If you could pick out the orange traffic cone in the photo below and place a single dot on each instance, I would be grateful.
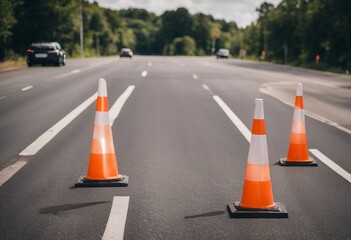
(257, 196)
(102, 170)
(298, 150)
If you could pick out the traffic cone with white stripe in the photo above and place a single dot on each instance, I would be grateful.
(257, 196)
(298, 150)
(102, 170)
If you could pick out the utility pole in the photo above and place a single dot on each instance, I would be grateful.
(213, 45)
(285, 46)
(81, 29)
(97, 45)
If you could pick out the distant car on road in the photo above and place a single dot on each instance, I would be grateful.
(46, 53)
(222, 53)
(126, 52)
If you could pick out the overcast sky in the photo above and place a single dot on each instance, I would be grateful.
(241, 11)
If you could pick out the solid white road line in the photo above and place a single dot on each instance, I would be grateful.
(247, 134)
(2, 97)
(117, 106)
(234, 118)
(266, 89)
(117, 219)
(41, 141)
(27, 88)
(8, 172)
(144, 74)
(68, 74)
(194, 76)
(330, 163)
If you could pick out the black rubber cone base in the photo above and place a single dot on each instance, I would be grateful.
(311, 163)
(278, 211)
(122, 182)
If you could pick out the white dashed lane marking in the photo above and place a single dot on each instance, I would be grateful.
(27, 88)
(117, 219)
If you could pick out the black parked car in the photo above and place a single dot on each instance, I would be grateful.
(46, 53)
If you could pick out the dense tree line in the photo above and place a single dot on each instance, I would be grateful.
(293, 32)
(296, 31)
(106, 31)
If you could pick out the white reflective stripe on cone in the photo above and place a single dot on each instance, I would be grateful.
(102, 131)
(299, 115)
(258, 153)
(298, 127)
(257, 172)
(102, 118)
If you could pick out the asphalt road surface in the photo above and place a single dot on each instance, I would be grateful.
(184, 156)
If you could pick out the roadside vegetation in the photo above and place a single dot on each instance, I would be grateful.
(295, 32)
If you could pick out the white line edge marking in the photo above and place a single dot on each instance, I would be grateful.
(247, 134)
(2, 97)
(331, 164)
(144, 74)
(117, 106)
(234, 118)
(117, 219)
(195, 76)
(265, 89)
(27, 88)
(41, 141)
(11, 170)
(68, 74)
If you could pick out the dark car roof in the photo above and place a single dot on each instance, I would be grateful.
(45, 44)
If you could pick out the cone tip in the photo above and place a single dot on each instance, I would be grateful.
(299, 91)
(259, 113)
(102, 91)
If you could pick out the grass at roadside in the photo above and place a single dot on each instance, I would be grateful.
(20, 62)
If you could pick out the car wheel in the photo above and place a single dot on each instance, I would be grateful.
(64, 60)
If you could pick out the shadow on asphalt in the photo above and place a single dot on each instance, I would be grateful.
(56, 210)
(208, 214)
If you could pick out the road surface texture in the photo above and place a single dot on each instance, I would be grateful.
(184, 156)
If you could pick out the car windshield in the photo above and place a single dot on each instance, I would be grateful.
(42, 46)
(223, 50)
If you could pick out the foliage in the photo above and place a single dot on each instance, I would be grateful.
(293, 32)
(297, 30)
(183, 46)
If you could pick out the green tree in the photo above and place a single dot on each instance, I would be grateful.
(7, 21)
(174, 24)
(183, 46)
